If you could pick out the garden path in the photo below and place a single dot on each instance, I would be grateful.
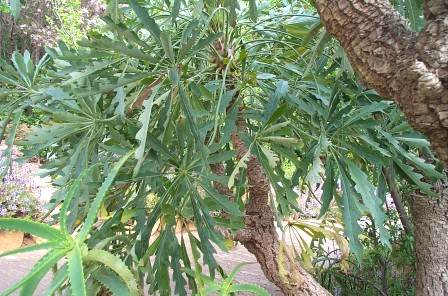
(12, 268)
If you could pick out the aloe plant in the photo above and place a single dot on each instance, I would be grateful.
(61, 244)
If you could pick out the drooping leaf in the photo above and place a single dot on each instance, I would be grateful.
(351, 214)
(144, 120)
(328, 187)
(370, 200)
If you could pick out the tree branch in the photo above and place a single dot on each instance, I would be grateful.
(393, 60)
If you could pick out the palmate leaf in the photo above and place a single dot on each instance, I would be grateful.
(370, 200)
(144, 120)
(167, 46)
(328, 187)
(76, 272)
(95, 206)
(351, 214)
(253, 13)
(114, 263)
(149, 23)
(428, 169)
(110, 45)
(228, 206)
(242, 163)
(70, 194)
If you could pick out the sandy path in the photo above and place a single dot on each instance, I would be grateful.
(12, 268)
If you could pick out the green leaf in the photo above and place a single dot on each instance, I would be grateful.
(280, 91)
(188, 111)
(229, 206)
(414, 177)
(42, 266)
(289, 142)
(204, 42)
(350, 214)
(328, 187)
(70, 194)
(251, 288)
(253, 10)
(34, 228)
(30, 286)
(167, 46)
(270, 156)
(15, 6)
(427, 168)
(366, 111)
(144, 120)
(115, 264)
(242, 163)
(58, 279)
(95, 206)
(149, 23)
(370, 200)
(76, 272)
(229, 279)
(32, 248)
(111, 281)
(19, 63)
(5, 157)
(175, 10)
(414, 14)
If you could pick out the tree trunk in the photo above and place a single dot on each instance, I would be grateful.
(399, 64)
(431, 243)
(260, 235)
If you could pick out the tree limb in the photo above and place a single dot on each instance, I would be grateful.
(411, 69)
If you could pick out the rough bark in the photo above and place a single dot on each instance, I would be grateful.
(260, 236)
(411, 69)
(431, 241)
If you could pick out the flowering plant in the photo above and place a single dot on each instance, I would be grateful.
(17, 198)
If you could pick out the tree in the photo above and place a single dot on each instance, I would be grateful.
(412, 69)
(193, 108)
